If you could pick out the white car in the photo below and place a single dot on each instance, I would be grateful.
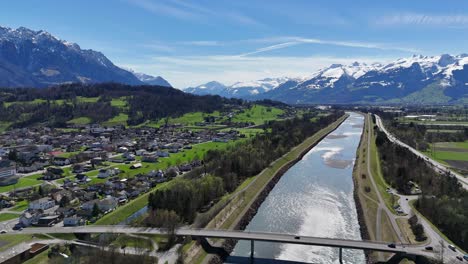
(452, 247)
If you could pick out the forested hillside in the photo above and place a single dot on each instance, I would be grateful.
(57, 105)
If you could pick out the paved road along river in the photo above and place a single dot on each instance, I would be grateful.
(313, 198)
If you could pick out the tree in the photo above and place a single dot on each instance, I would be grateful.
(13, 155)
(96, 210)
(64, 201)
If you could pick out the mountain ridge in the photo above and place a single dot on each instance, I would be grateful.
(417, 78)
(30, 58)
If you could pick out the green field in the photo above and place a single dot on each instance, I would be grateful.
(120, 119)
(258, 114)
(80, 121)
(20, 206)
(22, 182)
(8, 216)
(120, 102)
(443, 151)
(189, 119)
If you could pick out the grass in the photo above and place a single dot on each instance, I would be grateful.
(406, 230)
(120, 102)
(8, 216)
(12, 240)
(20, 206)
(42, 258)
(390, 201)
(120, 119)
(124, 211)
(135, 242)
(189, 119)
(80, 121)
(258, 114)
(22, 183)
(448, 155)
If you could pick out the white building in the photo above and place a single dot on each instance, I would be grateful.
(7, 173)
(43, 203)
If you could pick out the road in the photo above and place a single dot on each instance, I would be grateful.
(238, 235)
(435, 164)
(382, 206)
(434, 238)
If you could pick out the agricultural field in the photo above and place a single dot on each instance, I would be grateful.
(454, 154)
(258, 114)
(120, 119)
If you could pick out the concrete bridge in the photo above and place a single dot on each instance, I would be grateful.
(203, 234)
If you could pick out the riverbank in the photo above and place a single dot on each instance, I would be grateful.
(245, 208)
(374, 221)
(360, 161)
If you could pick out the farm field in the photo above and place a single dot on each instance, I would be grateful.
(258, 114)
(454, 154)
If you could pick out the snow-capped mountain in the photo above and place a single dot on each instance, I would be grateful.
(239, 89)
(417, 79)
(151, 80)
(214, 88)
(38, 59)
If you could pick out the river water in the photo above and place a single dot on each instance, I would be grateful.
(313, 198)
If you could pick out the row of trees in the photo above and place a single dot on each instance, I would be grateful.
(399, 166)
(234, 164)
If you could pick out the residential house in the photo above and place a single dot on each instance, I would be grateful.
(61, 161)
(73, 221)
(42, 204)
(7, 172)
(29, 217)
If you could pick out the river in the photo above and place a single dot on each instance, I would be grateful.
(313, 198)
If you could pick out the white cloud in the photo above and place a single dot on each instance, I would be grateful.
(190, 11)
(194, 70)
(292, 41)
(424, 19)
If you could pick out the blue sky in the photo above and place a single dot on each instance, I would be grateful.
(191, 42)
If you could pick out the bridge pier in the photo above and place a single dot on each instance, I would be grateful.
(341, 255)
(252, 250)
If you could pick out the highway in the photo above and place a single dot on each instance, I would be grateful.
(238, 235)
(435, 164)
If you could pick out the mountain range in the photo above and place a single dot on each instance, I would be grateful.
(414, 80)
(31, 58)
(239, 89)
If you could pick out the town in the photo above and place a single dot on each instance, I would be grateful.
(88, 172)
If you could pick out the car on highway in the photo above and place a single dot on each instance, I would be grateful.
(429, 248)
(392, 245)
(297, 237)
(3, 231)
(459, 258)
(452, 247)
